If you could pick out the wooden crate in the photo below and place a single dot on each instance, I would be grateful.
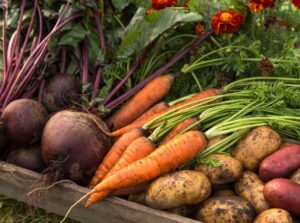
(16, 181)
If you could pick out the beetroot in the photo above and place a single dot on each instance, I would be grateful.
(27, 157)
(24, 120)
(73, 145)
(60, 91)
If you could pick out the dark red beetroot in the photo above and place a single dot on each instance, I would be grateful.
(281, 163)
(74, 144)
(283, 193)
(24, 120)
(27, 157)
(60, 91)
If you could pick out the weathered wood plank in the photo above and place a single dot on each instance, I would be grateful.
(15, 183)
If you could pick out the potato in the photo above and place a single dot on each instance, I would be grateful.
(222, 193)
(215, 140)
(283, 193)
(186, 211)
(250, 187)
(255, 146)
(229, 171)
(296, 176)
(274, 215)
(176, 189)
(230, 209)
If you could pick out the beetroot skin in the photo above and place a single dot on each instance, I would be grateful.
(74, 143)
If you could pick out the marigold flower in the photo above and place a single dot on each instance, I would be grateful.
(161, 4)
(199, 28)
(227, 21)
(296, 3)
(259, 5)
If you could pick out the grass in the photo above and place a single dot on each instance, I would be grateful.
(12, 211)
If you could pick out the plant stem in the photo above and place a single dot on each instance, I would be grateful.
(161, 70)
(100, 30)
(96, 84)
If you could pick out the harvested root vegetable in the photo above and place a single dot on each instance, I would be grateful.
(114, 154)
(29, 157)
(283, 193)
(226, 209)
(60, 91)
(142, 101)
(222, 193)
(74, 144)
(186, 187)
(154, 109)
(250, 187)
(227, 170)
(162, 160)
(256, 146)
(24, 120)
(281, 163)
(274, 215)
(140, 122)
(296, 176)
(180, 127)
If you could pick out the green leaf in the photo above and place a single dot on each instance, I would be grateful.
(152, 26)
(121, 4)
(197, 6)
(73, 36)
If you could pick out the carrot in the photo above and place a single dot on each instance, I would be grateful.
(142, 101)
(180, 127)
(154, 109)
(138, 149)
(164, 159)
(131, 190)
(114, 154)
(139, 123)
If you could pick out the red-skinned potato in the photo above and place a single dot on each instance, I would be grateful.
(281, 163)
(283, 193)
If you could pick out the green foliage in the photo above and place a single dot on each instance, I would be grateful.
(144, 31)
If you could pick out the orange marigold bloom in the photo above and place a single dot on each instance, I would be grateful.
(199, 28)
(227, 21)
(161, 4)
(259, 5)
(296, 3)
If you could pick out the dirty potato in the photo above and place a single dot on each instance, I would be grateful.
(215, 140)
(274, 215)
(176, 189)
(228, 170)
(296, 176)
(230, 209)
(255, 146)
(250, 187)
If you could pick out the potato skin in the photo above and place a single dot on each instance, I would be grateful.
(274, 215)
(250, 187)
(230, 209)
(283, 193)
(255, 146)
(296, 176)
(229, 171)
(281, 163)
(176, 189)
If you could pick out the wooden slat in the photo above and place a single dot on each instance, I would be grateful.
(15, 183)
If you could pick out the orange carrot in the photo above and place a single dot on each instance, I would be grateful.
(142, 101)
(139, 123)
(154, 109)
(138, 149)
(114, 154)
(162, 160)
(180, 127)
(131, 190)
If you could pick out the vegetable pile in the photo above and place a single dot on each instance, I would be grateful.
(191, 107)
